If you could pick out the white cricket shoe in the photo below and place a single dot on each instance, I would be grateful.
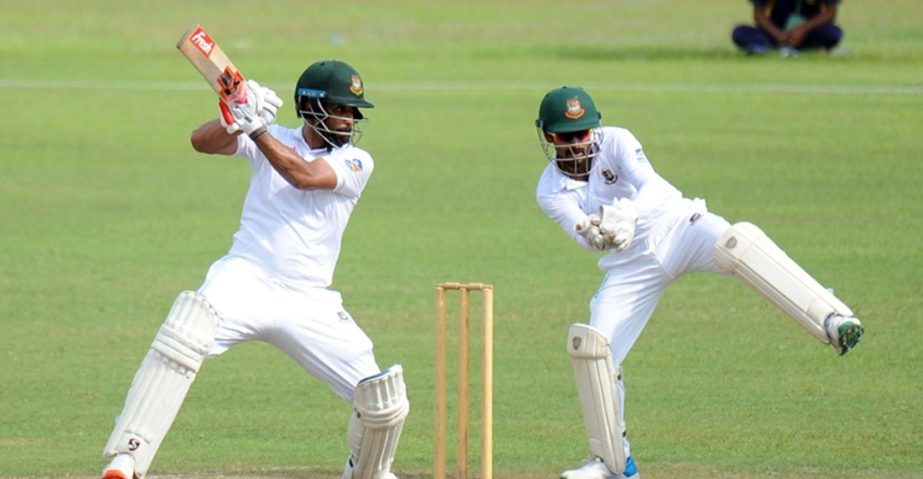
(844, 332)
(387, 475)
(348, 471)
(595, 468)
(122, 466)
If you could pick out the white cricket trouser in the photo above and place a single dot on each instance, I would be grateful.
(310, 326)
(626, 299)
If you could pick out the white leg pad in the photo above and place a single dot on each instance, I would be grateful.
(163, 379)
(375, 427)
(745, 251)
(596, 385)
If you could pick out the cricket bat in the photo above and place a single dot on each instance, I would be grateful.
(210, 60)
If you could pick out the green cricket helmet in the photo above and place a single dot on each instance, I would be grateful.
(325, 83)
(567, 109)
(568, 127)
(332, 81)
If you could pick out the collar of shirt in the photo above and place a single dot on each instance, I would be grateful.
(565, 182)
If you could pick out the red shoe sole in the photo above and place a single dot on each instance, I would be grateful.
(114, 474)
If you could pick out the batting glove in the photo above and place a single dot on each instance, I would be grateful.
(246, 119)
(269, 103)
(226, 118)
(259, 100)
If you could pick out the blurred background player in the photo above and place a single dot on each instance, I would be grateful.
(790, 26)
(273, 284)
(602, 190)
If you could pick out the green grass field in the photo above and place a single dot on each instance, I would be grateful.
(107, 213)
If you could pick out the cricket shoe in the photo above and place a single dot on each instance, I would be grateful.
(122, 466)
(348, 472)
(844, 332)
(595, 468)
(387, 475)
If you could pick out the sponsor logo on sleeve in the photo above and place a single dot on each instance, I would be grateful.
(639, 154)
(355, 165)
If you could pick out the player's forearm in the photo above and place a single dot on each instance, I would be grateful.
(212, 138)
(824, 17)
(764, 23)
(293, 168)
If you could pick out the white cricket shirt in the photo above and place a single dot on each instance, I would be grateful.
(295, 235)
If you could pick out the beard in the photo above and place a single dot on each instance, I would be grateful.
(575, 164)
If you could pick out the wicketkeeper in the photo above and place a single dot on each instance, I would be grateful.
(273, 284)
(601, 189)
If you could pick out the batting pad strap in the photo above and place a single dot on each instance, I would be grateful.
(163, 380)
(596, 378)
(375, 427)
(745, 251)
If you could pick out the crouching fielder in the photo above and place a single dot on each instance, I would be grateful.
(601, 189)
(272, 286)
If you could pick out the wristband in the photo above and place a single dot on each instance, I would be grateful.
(258, 133)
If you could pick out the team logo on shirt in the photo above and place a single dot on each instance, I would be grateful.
(355, 165)
(356, 87)
(639, 154)
(608, 176)
(344, 316)
(574, 108)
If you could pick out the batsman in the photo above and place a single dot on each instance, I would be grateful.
(601, 189)
(273, 284)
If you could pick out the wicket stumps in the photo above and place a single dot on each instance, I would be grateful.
(487, 381)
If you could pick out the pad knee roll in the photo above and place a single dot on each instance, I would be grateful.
(375, 427)
(163, 379)
(745, 251)
(596, 376)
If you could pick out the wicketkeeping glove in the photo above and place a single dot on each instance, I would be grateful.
(589, 229)
(617, 223)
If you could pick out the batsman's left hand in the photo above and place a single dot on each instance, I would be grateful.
(240, 116)
(259, 103)
(226, 118)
